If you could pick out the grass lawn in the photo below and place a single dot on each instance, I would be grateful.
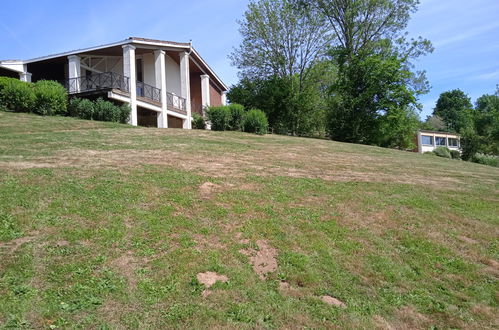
(108, 226)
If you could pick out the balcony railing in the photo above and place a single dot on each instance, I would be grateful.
(174, 101)
(112, 80)
(148, 91)
(97, 81)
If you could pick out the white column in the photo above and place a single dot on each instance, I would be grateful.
(74, 71)
(185, 87)
(129, 71)
(25, 76)
(224, 98)
(160, 73)
(205, 91)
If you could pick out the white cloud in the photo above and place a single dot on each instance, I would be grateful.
(466, 35)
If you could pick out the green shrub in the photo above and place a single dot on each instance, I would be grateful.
(255, 121)
(51, 98)
(219, 118)
(125, 111)
(16, 95)
(198, 121)
(99, 110)
(489, 160)
(442, 152)
(236, 116)
(81, 108)
(455, 154)
(429, 153)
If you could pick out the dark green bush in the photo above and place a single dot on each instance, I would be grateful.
(255, 121)
(99, 110)
(51, 98)
(442, 152)
(81, 108)
(125, 111)
(489, 160)
(455, 154)
(16, 95)
(219, 118)
(236, 116)
(198, 121)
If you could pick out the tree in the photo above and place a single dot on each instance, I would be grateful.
(369, 102)
(435, 123)
(278, 56)
(455, 108)
(279, 41)
(373, 57)
(486, 119)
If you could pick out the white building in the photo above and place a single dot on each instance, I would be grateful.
(430, 140)
(164, 82)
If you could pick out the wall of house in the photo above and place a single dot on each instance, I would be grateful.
(148, 69)
(196, 100)
(422, 148)
(172, 76)
(215, 96)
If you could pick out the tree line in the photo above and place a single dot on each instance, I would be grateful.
(332, 68)
(343, 69)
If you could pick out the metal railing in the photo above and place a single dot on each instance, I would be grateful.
(148, 91)
(174, 101)
(97, 81)
(112, 80)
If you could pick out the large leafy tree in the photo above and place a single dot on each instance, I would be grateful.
(278, 56)
(373, 57)
(371, 103)
(455, 108)
(279, 41)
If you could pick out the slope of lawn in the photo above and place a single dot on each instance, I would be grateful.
(108, 226)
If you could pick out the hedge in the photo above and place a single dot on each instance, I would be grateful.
(255, 121)
(51, 98)
(98, 110)
(219, 117)
(198, 121)
(16, 95)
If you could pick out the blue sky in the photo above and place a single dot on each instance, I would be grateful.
(465, 34)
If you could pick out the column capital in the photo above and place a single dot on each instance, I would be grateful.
(129, 46)
(205, 76)
(183, 54)
(159, 51)
(73, 57)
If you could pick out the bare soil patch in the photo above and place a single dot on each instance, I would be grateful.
(264, 261)
(207, 189)
(333, 301)
(126, 265)
(15, 244)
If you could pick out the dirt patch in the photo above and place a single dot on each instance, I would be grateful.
(208, 279)
(264, 261)
(207, 242)
(288, 290)
(333, 301)
(467, 239)
(15, 244)
(207, 189)
(241, 240)
(125, 265)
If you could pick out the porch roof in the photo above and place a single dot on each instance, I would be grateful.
(114, 47)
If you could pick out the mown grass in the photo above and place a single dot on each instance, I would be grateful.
(105, 226)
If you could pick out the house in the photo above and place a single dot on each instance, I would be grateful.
(164, 82)
(430, 140)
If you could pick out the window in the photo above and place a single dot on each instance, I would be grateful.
(427, 140)
(439, 141)
(453, 142)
